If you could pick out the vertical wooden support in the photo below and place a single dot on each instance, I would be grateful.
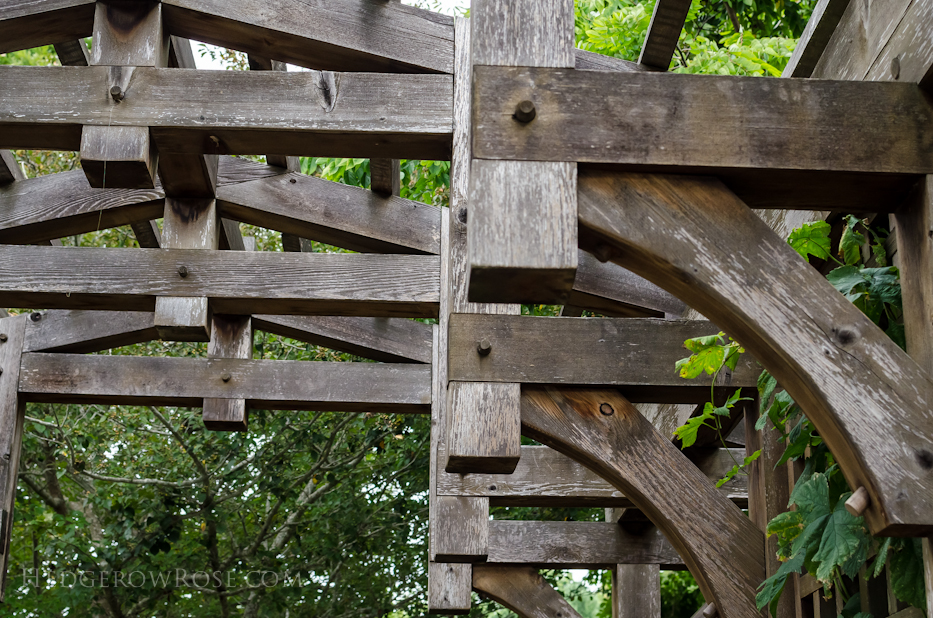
(913, 225)
(187, 224)
(386, 176)
(523, 214)
(12, 416)
(127, 34)
(231, 337)
(258, 63)
(636, 588)
(449, 588)
(484, 420)
(768, 494)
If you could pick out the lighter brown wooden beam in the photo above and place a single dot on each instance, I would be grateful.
(449, 587)
(12, 417)
(31, 23)
(231, 337)
(522, 590)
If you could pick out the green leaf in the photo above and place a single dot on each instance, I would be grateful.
(850, 246)
(849, 281)
(881, 557)
(769, 592)
(907, 573)
(812, 239)
(842, 537)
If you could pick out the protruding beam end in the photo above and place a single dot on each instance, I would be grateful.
(858, 502)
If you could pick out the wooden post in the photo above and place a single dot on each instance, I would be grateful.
(187, 224)
(484, 419)
(12, 417)
(231, 337)
(126, 35)
(636, 588)
(386, 176)
(523, 215)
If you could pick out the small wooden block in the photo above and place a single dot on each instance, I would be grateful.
(183, 319)
(118, 157)
(461, 529)
(449, 588)
(483, 427)
(231, 337)
(386, 175)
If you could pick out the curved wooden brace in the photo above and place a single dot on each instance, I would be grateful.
(522, 590)
(602, 430)
(870, 401)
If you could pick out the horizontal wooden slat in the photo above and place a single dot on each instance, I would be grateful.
(696, 121)
(237, 282)
(234, 112)
(334, 213)
(276, 385)
(339, 35)
(390, 340)
(87, 331)
(637, 355)
(576, 545)
(31, 23)
(547, 478)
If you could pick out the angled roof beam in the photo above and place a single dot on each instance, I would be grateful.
(73, 53)
(30, 23)
(667, 21)
(522, 590)
(812, 43)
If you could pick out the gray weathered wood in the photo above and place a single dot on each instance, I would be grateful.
(31, 23)
(274, 385)
(147, 233)
(231, 238)
(352, 114)
(340, 35)
(588, 61)
(449, 586)
(841, 368)
(547, 478)
(129, 34)
(722, 548)
(118, 157)
(389, 340)
(73, 53)
(9, 168)
(797, 124)
(613, 291)
(386, 176)
(237, 282)
(636, 591)
(231, 337)
(522, 590)
(483, 427)
(258, 63)
(87, 331)
(334, 213)
(636, 354)
(667, 21)
(812, 43)
(908, 54)
(12, 417)
(523, 236)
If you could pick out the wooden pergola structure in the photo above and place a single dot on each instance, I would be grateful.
(566, 167)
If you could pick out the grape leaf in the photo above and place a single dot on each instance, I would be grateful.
(812, 239)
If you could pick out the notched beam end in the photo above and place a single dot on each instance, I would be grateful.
(521, 285)
(119, 157)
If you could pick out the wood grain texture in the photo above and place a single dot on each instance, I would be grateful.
(311, 114)
(339, 35)
(129, 34)
(386, 176)
(73, 53)
(723, 549)
(667, 21)
(844, 371)
(815, 37)
(231, 337)
(30, 23)
(9, 168)
(388, 340)
(87, 331)
(237, 282)
(796, 124)
(148, 235)
(472, 409)
(522, 590)
(449, 587)
(546, 478)
(12, 417)
(274, 385)
(636, 354)
(636, 591)
(118, 157)
(908, 55)
(523, 33)
(334, 213)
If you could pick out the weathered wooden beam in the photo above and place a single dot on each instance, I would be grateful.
(273, 385)
(547, 478)
(73, 53)
(12, 417)
(237, 282)
(258, 63)
(667, 21)
(352, 114)
(636, 354)
(87, 331)
(723, 549)
(10, 170)
(449, 586)
(231, 337)
(798, 124)
(908, 56)
(483, 421)
(522, 590)
(827, 354)
(589, 61)
(385, 176)
(523, 234)
(340, 35)
(334, 213)
(389, 340)
(30, 23)
(815, 37)
(635, 589)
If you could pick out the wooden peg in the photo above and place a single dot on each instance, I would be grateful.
(858, 502)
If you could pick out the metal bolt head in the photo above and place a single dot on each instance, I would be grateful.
(896, 67)
(117, 93)
(484, 347)
(525, 112)
(35, 317)
(182, 271)
(226, 377)
(3, 337)
(606, 410)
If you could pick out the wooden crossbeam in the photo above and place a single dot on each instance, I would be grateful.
(547, 478)
(73, 53)
(637, 355)
(30, 23)
(87, 331)
(237, 282)
(667, 21)
(359, 114)
(842, 369)
(522, 590)
(797, 125)
(273, 385)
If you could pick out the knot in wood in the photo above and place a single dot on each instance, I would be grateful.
(35, 317)
(182, 271)
(896, 67)
(3, 337)
(462, 215)
(484, 347)
(525, 112)
(117, 93)
(606, 410)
